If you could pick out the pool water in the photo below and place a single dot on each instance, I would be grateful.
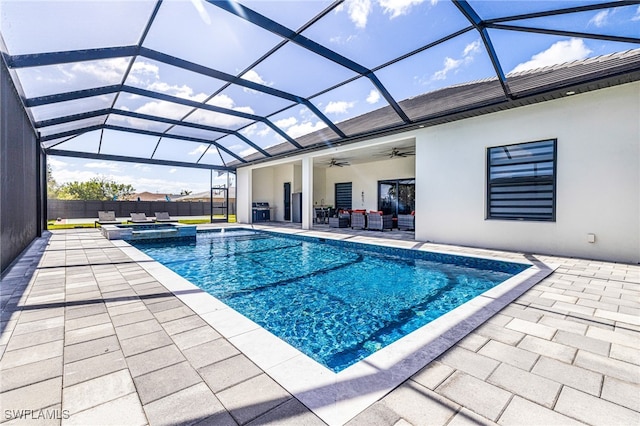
(337, 302)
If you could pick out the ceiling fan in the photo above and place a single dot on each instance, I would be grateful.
(338, 163)
(395, 152)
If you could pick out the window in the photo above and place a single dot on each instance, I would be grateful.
(343, 196)
(397, 196)
(521, 181)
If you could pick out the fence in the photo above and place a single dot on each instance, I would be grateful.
(80, 209)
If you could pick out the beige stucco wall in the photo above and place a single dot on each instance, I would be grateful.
(598, 177)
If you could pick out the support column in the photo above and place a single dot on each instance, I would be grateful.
(307, 192)
(244, 194)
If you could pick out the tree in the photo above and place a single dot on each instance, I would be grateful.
(185, 192)
(52, 185)
(98, 188)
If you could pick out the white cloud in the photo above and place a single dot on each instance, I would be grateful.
(559, 52)
(183, 91)
(102, 165)
(164, 109)
(55, 163)
(221, 120)
(450, 64)
(374, 96)
(264, 131)
(397, 8)
(142, 167)
(143, 71)
(225, 101)
(105, 70)
(246, 152)
(342, 39)
(253, 76)
(359, 11)
(338, 107)
(66, 175)
(471, 49)
(600, 19)
(286, 122)
(305, 128)
(636, 17)
(234, 147)
(200, 149)
(173, 170)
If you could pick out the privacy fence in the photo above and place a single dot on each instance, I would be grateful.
(78, 209)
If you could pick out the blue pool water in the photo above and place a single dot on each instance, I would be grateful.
(337, 302)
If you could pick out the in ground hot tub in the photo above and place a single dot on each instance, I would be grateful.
(148, 231)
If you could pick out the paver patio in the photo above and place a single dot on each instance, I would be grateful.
(90, 337)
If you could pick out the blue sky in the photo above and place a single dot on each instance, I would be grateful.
(370, 32)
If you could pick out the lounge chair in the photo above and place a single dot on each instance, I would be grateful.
(406, 221)
(106, 218)
(358, 219)
(139, 218)
(379, 222)
(164, 217)
(341, 221)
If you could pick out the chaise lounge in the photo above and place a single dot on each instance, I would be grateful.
(164, 217)
(106, 218)
(139, 218)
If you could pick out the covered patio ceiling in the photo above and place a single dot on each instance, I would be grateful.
(222, 84)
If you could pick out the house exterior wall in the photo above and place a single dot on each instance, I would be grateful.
(364, 179)
(598, 177)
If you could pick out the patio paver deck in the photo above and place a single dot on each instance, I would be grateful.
(88, 334)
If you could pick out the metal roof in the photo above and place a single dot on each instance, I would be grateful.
(221, 84)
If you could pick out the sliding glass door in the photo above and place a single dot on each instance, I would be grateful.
(397, 196)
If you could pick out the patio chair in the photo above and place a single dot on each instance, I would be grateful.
(164, 217)
(139, 218)
(320, 215)
(406, 221)
(341, 221)
(377, 221)
(358, 219)
(106, 218)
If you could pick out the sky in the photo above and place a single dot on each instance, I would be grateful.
(370, 32)
(143, 177)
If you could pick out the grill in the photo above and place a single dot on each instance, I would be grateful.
(261, 212)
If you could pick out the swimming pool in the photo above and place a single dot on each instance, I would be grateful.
(337, 302)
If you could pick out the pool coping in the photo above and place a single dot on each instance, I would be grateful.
(338, 397)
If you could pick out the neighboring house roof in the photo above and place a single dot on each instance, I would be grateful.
(150, 196)
(205, 195)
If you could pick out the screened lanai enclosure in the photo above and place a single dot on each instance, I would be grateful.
(223, 84)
